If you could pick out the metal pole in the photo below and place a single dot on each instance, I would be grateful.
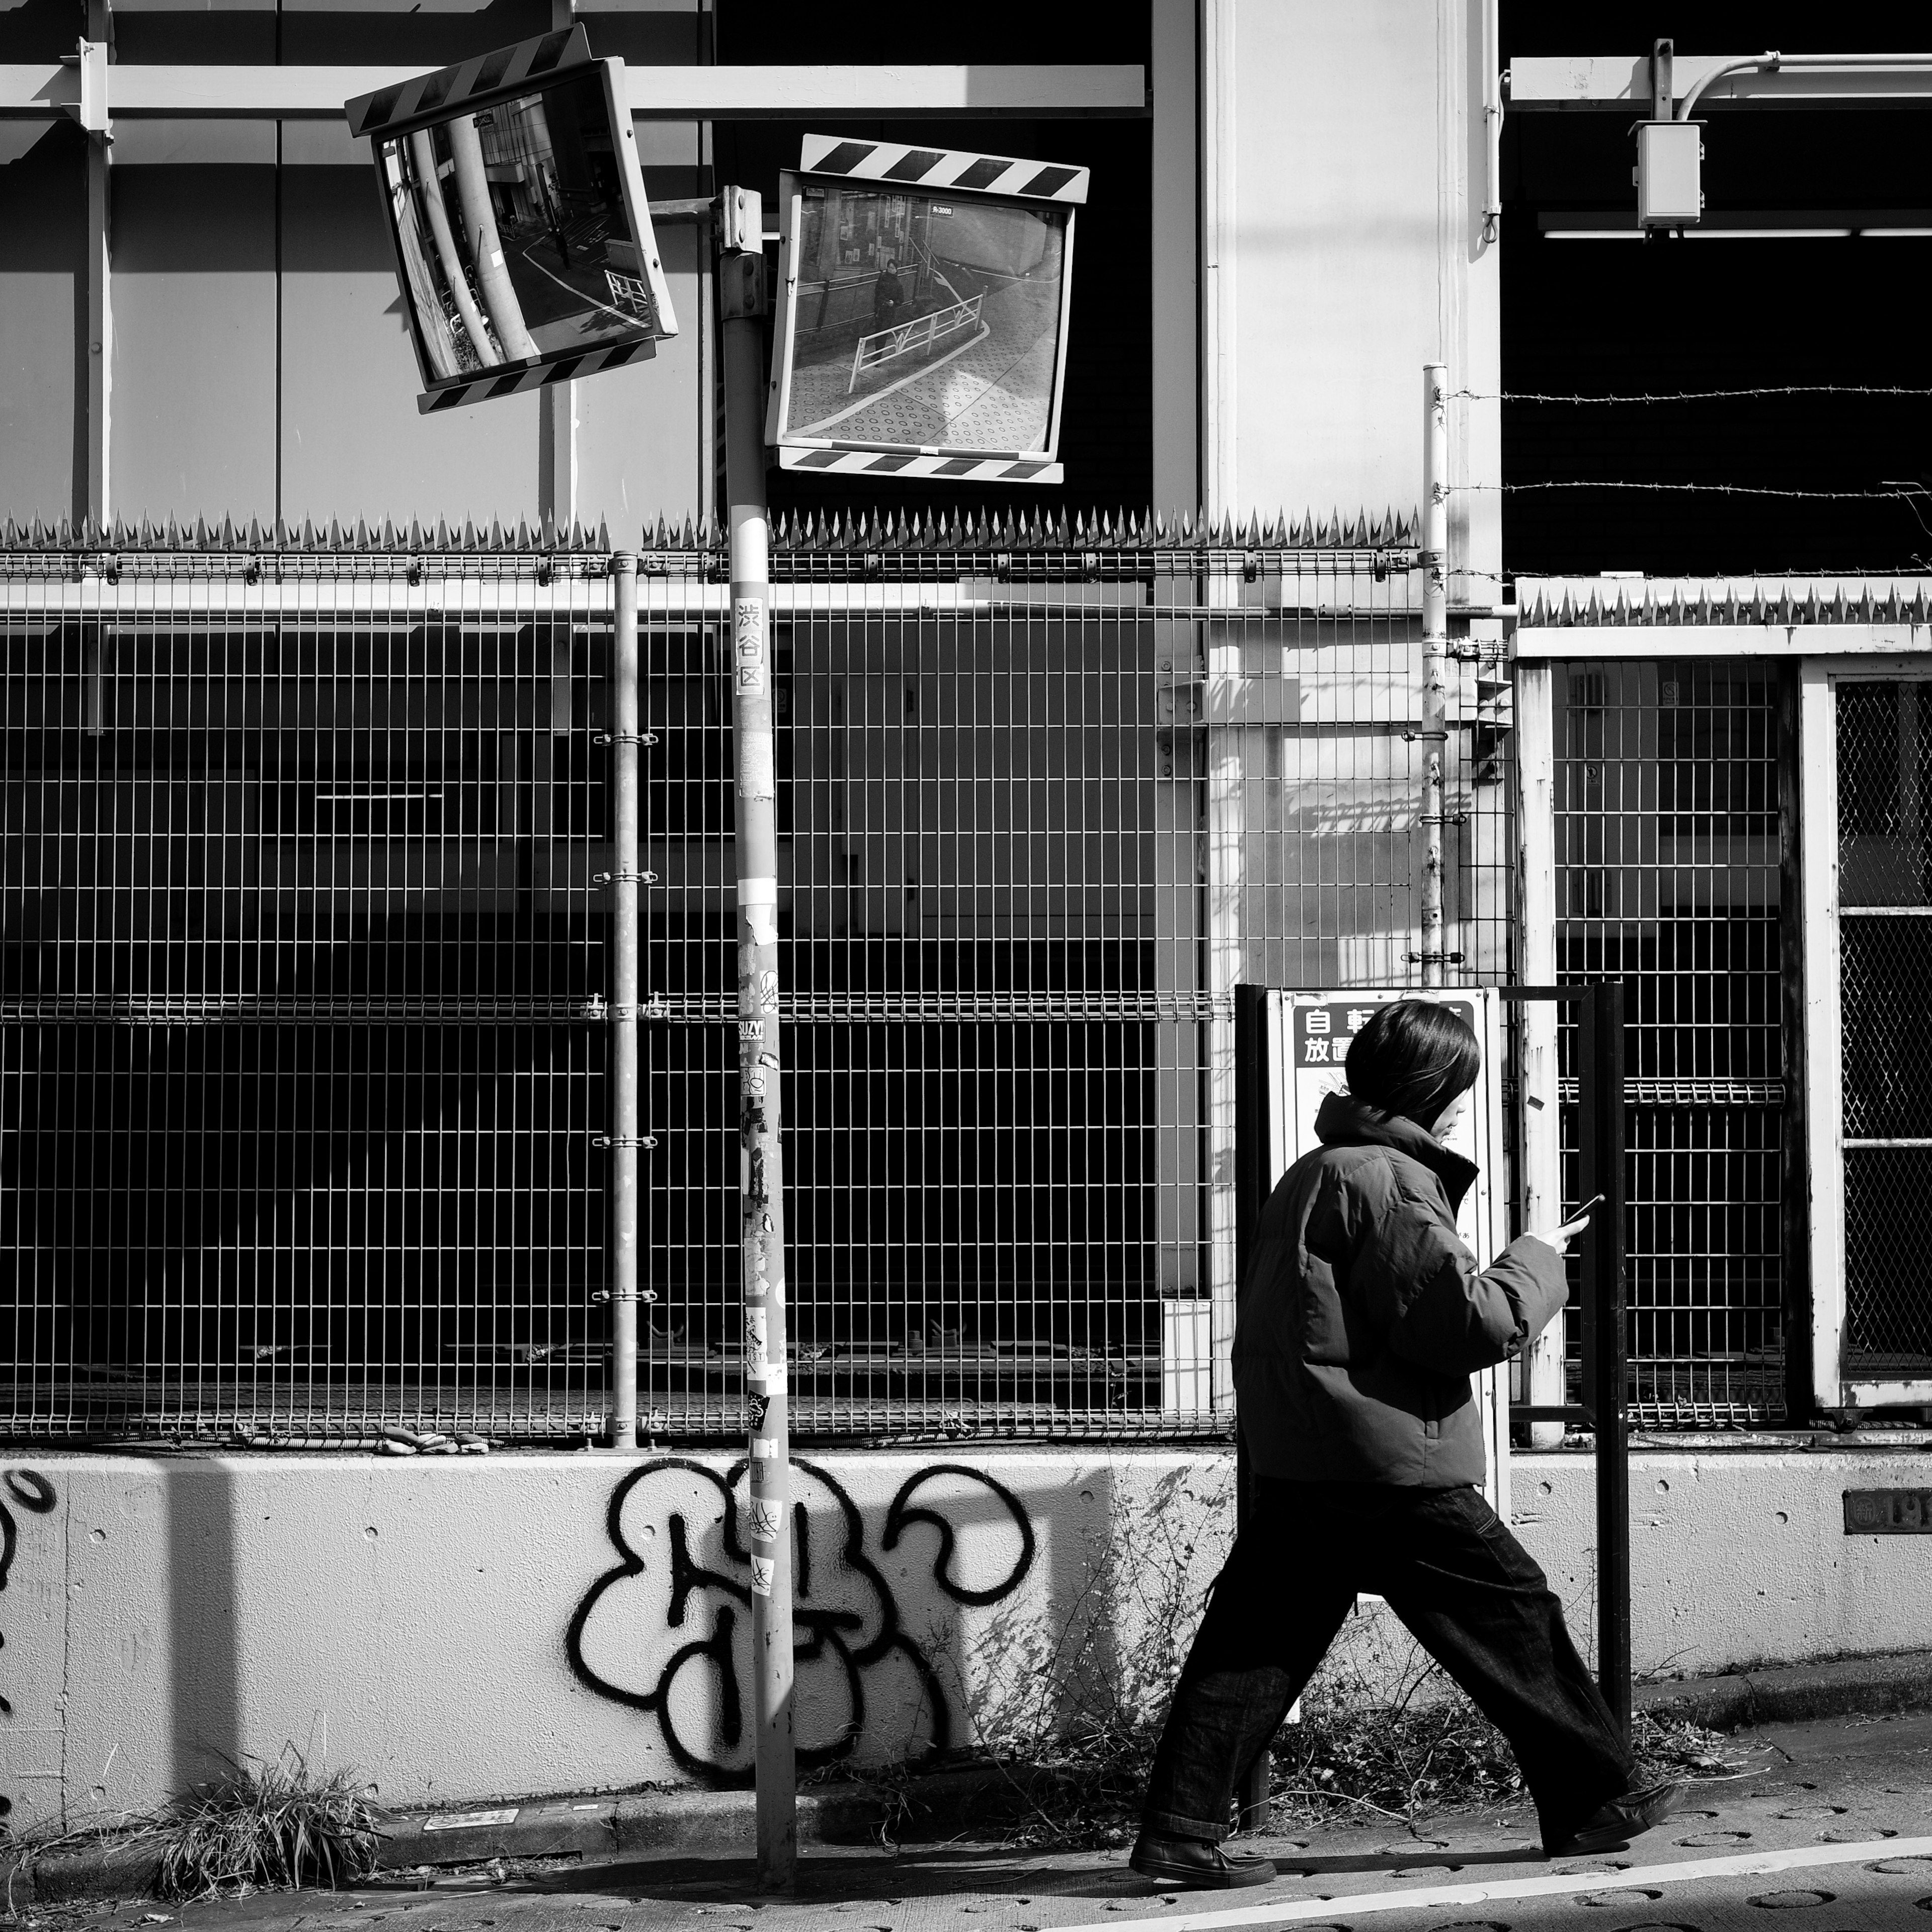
(1538, 1097)
(1255, 1074)
(626, 1139)
(742, 307)
(1434, 733)
(1601, 1038)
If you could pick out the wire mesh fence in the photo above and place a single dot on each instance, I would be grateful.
(1670, 877)
(301, 969)
(305, 936)
(1884, 921)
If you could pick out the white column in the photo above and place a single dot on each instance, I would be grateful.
(1824, 1075)
(1177, 257)
(1536, 1020)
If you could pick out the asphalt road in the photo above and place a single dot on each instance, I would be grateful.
(1856, 1792)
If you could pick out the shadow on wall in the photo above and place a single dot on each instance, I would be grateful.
(204, 1693)
(961, 1614)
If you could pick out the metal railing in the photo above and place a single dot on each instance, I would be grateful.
(909, 338)
(306, 949)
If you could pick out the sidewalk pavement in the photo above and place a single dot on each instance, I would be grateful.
(1835, 1815)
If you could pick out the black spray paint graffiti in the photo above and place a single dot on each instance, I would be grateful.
(34, 1494)
(684, 1584)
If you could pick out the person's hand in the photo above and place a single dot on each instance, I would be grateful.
(1560, 1238)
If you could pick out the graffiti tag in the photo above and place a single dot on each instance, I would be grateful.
(684, 1580)
(33, 1493)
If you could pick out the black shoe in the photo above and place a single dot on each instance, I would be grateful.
(1611, 1828)
(1192, 1864)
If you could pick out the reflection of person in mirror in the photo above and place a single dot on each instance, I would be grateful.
(1359, 1321)
(888, 297)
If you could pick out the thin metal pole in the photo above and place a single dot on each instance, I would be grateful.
(1434, 733)
(741, 305)
(625, 1135)
(1255, 1075)
(1538, 1100)
(1601, 1038)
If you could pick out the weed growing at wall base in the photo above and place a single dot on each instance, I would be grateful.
(270, 1824)
(1065, 1709)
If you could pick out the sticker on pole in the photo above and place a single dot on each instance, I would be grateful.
(923, 298)
(748, 645)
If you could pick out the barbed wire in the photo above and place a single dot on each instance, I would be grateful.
(1692, 395)
(1907, 493)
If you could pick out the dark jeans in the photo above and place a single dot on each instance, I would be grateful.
(1451, 1569)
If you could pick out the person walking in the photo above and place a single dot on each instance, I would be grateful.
(888, 295)
(1357, 1328)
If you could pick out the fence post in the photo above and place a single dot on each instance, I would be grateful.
(742, 305)
(1539, 1088)
(1600, 1064)
(626, 1137)
(1434, 733)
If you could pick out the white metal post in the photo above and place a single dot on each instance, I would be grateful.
(626, 1138)
(1435, 654)
(1536, 1019)
(1824, 1074)
(742, 305)
(96, 54)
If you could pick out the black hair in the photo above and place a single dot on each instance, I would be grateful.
(1412, 1058)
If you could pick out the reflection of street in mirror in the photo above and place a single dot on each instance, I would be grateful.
(924, 322)
(513, 234)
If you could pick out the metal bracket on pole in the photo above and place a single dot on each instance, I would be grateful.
(741, 308)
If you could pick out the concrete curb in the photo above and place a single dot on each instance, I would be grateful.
(689, 1823)
(685, 1822)
(1792, 1694)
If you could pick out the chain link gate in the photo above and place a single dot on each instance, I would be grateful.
(1884, 754)
(304, 942)
(1670, 877)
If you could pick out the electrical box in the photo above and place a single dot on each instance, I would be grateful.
(1669, 173)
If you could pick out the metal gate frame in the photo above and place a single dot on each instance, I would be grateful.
(1836, 1389)
(1823, 630)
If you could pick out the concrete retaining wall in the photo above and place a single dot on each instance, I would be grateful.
(457, 1628)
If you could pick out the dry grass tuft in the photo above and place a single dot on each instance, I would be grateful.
(271, 1824)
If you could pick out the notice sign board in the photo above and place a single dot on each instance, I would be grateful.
(1889, 1512)
(1307, 1049)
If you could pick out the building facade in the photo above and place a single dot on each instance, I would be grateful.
(308, 713)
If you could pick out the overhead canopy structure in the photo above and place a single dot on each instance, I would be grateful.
(1618, 82)
(43, 91)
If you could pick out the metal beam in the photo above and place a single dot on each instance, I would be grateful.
(1621, 83)
(1537, 643)
(43, 91)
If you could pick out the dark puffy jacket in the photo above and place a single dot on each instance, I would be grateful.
(1363, 1315)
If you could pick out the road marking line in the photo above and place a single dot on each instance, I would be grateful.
(571, 289)
(1294, 1911)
